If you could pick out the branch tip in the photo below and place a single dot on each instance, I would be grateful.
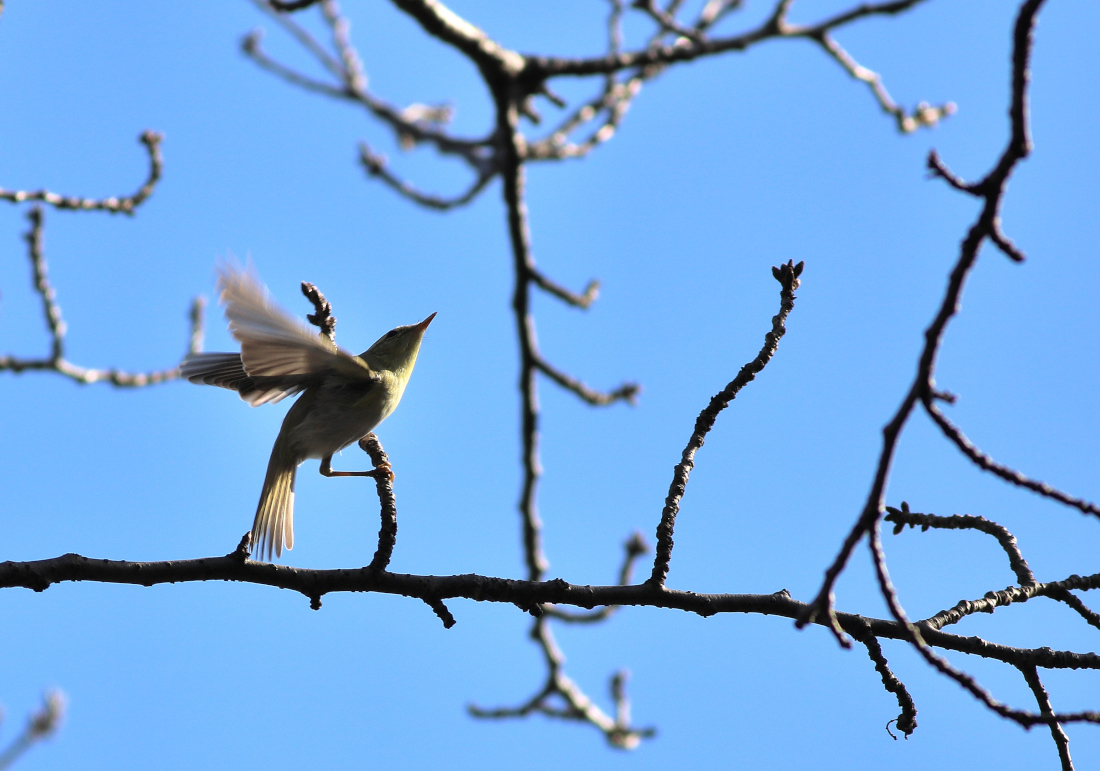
(322, 317)
(441, 610)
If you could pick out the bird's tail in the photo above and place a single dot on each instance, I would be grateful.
(274, 524)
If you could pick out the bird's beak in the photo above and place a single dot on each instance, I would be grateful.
(423, 325)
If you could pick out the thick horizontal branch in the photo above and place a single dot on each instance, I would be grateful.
(39, 575)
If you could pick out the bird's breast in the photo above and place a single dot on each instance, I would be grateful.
(335, 415)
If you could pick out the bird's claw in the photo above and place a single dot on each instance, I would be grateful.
(385, 470)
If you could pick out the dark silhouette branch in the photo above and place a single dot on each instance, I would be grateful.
(788, 277)
(1031, 675)
(387, 533)
(923, 390)
(1028, 588)
(917, 637)
(321, 317)
(903, 516)
(906, 721)
(991, 190)
(986, 463)
(1056, 590)
(39, 575)
(633, 548)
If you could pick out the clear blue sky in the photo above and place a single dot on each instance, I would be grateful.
(721, 170)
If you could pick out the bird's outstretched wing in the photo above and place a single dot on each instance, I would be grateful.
(273, 343)
(227, 371)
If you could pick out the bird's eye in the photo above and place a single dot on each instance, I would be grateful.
(391, 333)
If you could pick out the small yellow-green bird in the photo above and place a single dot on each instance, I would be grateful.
(345, 396)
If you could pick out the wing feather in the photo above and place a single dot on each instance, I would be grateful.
(226, 370)
(273, 343)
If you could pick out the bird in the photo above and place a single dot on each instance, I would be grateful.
(344, 397)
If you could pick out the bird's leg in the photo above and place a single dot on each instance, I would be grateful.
(326, 470)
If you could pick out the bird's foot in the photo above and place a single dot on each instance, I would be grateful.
(385, 470)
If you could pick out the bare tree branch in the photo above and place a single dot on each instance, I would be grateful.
(902, 517)
(321, 317)
(986, 463)
(633, 548)
(40, 725)
(55, 325)
(125, 205)
(906, 721)
(584, 300)
(787, 276)
(1059, 735)
(991, 190)
(376, 166)
(917, 636)
(39, 575)
(1056, 590)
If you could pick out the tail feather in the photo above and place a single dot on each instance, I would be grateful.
(273, 527)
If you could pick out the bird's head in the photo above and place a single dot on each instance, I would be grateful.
(396, 350)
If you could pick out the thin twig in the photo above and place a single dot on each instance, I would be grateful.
(991, 189)
(924, 116)
(903, 516)
(1055, 590)
(41, 725)
(627, 392)
(906, 721)
(633, 548)
(352, 86)
(1031, 675)
(56, 327)
(986, 463)
(387, 533)
(322, 317)
(114, 205)
(583, 300)
(788, 277)
(376, 166)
